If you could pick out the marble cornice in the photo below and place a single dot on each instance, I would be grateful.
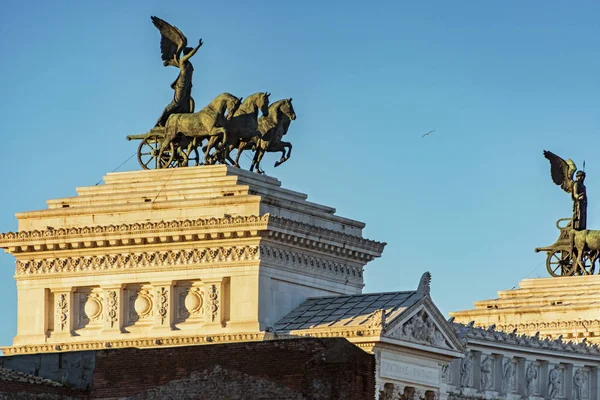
(290, 230)
(133, 234)
(138, 343)
(277, 229)
(295, 261)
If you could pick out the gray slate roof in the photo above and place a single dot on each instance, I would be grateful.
(345, 311)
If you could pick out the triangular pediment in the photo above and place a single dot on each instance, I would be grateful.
(423, 324)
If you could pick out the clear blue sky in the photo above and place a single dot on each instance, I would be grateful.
(498, 81)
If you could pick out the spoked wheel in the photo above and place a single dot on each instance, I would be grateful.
(148, 153)
(559, 263)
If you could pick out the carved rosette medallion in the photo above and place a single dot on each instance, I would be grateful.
(142, 305)
(162, 304)
(213, 302)
(112, 305)
(62, 310)
(191, 303)
(92, 307)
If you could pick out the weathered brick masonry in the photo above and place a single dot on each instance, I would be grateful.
(290, 369)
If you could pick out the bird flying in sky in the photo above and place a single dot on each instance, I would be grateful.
(427, 134)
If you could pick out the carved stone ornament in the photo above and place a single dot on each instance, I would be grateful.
(554, 382)
(191, 303)
(62, 310)
(579, 382)
(496, 334)
(421, 329)
(531, 375)
(486, 372)
(508, 375)
(377, 320)
(92, 308)
(162, 304)
(134, 229)
(466, 370)
(147, 260)
(112, 307)
(299, 260)
(142, 305)
(213, 302)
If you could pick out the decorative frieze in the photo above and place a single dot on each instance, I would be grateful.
(353, 246)
(303, 261)
(142, 260)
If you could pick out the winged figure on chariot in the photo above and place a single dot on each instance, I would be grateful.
(227, 123)
(562, 174)
(173, 44)
(577, 248)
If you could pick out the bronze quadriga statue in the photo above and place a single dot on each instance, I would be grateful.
(577, 248)
(226, 124)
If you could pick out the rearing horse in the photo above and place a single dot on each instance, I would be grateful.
(273, 128)
(210, 122)
(244, 124)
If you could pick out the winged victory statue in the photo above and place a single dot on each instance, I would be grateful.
(562, 174)
(577, 249)
(173, 44)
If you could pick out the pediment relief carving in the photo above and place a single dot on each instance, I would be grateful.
(421, 328)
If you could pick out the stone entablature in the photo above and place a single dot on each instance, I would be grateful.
(497, 365)
(203, 251)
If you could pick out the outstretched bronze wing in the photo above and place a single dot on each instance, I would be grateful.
(172, 41)
(562, 171)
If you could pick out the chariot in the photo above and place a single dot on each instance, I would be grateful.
(181, 152)
(573, 253)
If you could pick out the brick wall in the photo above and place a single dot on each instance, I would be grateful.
(291, 369)
(284, 369)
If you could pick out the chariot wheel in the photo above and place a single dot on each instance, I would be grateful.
(559, 263)
(148, 153)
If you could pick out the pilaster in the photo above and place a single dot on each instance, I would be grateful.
(163, 297)
(113, 308)
(63, 313)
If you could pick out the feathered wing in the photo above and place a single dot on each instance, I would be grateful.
(562, 171)
(172, 41)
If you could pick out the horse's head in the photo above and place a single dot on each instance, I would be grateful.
(287, 109)
(263, 103)
(233, 104)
